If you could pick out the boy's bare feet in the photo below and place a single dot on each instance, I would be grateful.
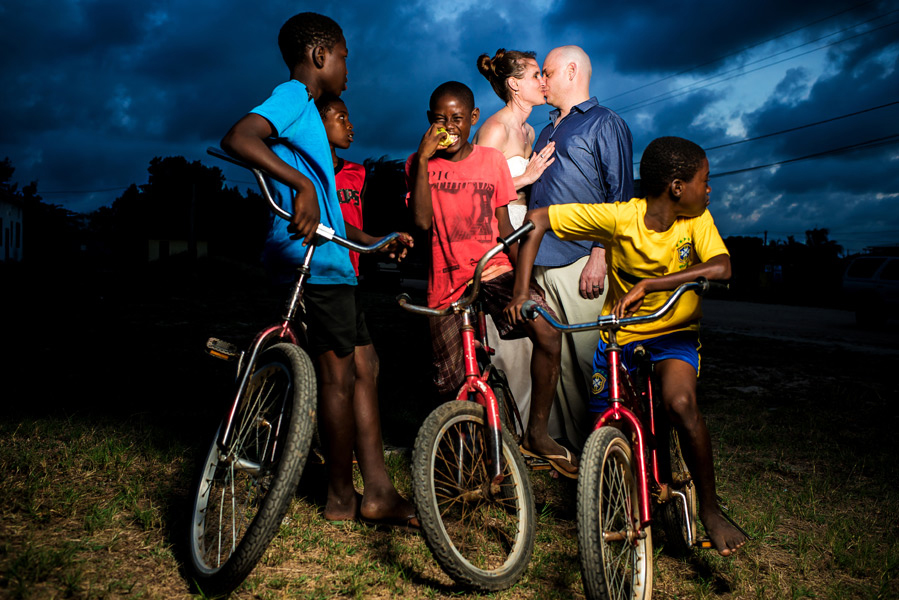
(389, 509)
(725, 537)
(338, 510)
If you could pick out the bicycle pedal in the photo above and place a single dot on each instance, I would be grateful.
(537, 464)
(222, 349)
(705, 544)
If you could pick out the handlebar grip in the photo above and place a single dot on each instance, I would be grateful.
(403, 298)
(529, 310)
(719, 285)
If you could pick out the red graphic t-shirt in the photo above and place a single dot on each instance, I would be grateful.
(465, 196)
(350, 177)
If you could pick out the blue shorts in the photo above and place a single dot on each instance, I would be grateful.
(681, 345)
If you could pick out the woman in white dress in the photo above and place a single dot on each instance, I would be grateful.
(516, 78)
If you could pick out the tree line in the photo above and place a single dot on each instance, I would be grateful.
(189, 201)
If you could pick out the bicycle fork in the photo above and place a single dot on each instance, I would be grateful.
(485, 397)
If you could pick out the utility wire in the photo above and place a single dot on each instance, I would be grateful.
(750, 47)
(792, 129)
(783, 131)
(696, 85)
(886, 140)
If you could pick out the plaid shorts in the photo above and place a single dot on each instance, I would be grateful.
(446, 337)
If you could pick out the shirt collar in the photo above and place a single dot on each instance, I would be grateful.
(581, 108)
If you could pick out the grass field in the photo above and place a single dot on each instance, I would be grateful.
(103, 420)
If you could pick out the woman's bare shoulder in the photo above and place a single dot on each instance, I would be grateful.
(493, 132)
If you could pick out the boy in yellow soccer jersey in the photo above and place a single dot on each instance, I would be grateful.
(656, 243)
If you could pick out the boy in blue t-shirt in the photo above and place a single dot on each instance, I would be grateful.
(285, 137)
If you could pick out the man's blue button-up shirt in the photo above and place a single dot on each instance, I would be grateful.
(594, 163)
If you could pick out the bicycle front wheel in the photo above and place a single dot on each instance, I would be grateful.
(481, 534)
(679, 529)
(616, 563)
(244, 491)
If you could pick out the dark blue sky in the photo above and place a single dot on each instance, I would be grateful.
(94, 89)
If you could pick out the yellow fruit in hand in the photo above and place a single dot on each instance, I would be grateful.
(447, 141)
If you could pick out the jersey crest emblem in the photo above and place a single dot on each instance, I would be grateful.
(684, 252)
(599, 383)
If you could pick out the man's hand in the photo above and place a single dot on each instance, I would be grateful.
(306, 214)
(594, 274)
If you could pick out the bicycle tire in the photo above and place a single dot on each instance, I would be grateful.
(678, 532)
(240, 500)
(607, 505)
(482, 538)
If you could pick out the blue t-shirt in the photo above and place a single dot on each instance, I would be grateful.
(594, 164)
(300, 141)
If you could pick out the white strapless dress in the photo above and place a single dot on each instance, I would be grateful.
(517, 208)
(514, 356)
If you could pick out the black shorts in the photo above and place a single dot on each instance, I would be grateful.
(334, 319)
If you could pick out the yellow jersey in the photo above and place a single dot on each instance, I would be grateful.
(635, 252)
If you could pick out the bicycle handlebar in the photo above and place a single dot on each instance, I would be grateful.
(323, 231)
(530, 309)
(466, 300)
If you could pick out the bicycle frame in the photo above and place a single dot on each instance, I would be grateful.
(623, 396)
(283, 330)
(475, 381)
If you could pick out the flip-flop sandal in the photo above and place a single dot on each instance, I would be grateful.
(552, 460)
(409, 523)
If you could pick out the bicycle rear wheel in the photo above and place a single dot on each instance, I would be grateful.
(242, 495)
(679, 530)
(482, 535)
(616, 564)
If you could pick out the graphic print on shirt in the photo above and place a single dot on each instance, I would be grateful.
(684, 248)
(470, 221)
(349, 196)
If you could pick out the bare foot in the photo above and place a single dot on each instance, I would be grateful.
(725, 537)
(390, 509)
(337, 509)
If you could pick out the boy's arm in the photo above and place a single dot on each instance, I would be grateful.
(505, 229)
(527, 252)
(246, 141)
(422, 208)
(717, 267)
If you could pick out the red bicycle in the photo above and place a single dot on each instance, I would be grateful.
(632, 466)
(469, 480)
(254, 463)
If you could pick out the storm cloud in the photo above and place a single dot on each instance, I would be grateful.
(94, 89)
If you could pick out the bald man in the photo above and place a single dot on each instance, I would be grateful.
(593, 163)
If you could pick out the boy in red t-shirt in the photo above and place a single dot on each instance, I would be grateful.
(460, 192)
(349, 176)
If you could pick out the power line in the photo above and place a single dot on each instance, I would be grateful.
(830, 120)
(751, 46)
(79, 192)
(886, 140)
(792, 129)
(696, 85)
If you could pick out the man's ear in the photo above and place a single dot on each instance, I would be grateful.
(572, 70)
(318, 56)
(676, 188)
(475, 115)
